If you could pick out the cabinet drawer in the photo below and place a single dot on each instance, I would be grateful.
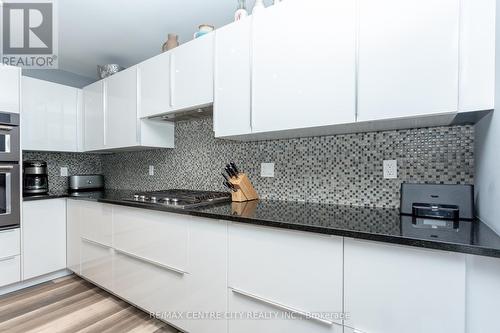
(152, 287)
(96, 263)
(9, 243)
(311, 265)
(10, 270)
(156, 236)
(279, 319)
(96, 220)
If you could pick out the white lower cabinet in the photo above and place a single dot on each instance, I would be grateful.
(171, 264)
(73, 235)
(44, 237)
(96, 263)
(10, 270)
(10, 263)
(96, 222)
(153, 287)
(287, 275)
(394, 289)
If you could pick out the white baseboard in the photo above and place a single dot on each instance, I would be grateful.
(34, 281)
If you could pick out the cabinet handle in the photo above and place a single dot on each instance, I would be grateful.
(8, 258)
(154, 263)
(6, 167)
(282, 307)
(86, 240)
(354, 330)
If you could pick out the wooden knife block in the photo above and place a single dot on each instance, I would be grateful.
(244, 189)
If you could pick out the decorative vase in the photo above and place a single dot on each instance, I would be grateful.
(259, 5)
(241, 12)
(203, 29)
(172, 42)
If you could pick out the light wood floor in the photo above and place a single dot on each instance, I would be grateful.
(71, 304)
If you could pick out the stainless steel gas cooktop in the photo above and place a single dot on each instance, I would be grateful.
(180, 198)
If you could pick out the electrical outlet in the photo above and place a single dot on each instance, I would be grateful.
(151, 170)
(390, 169)
(64, 172)
(267, 169)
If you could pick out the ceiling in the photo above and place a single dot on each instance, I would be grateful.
(126, 32)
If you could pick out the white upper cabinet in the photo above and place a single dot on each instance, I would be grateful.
(192, 74)
(304, 64)
(10, 78)
(232, 77)
(477, 55)
(49, 119)
(111, 108)
(394, 289)
(408, 58)
(154, 85)
(121, 109)
(177, 80)
(93, 119)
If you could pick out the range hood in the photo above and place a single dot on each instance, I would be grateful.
(185, 114)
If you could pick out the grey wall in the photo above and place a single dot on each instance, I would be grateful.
(344, 169)
(60, 76)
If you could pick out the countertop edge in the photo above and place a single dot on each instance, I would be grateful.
(397, 240)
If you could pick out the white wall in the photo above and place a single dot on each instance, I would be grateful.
(487, 154)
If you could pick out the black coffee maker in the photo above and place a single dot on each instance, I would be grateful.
(35, 178)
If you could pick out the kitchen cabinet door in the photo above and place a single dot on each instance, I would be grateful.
(10, 270)
(97, 261)
(192, 74)
(96, 222)
(155, 236)
(73, 235)
(408, 58)
(93, 116)
(121, 109)
(207, 281)
(232, 105)
(304, 59)
(154, 85)
(394, 289)
(311, 265)
(49, 120)
(477, 55)
(44, 237)
(10, 83)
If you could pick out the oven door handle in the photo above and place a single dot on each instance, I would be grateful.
(6, 128)
(8, 187)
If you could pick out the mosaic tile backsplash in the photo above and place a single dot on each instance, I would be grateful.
(77, 163)
(341, 169)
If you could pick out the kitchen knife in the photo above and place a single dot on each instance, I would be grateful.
(235, 168)
(229, 186)
(225, 177)
(230, 171)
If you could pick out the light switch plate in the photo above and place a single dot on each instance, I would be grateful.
(267, 169)
(64, 172)
(151, 170)
(390, 169)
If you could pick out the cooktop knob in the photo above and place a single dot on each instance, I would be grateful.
(142, 197)
(136, 196)
(153, 199)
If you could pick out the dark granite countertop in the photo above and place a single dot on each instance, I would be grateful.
(376, 224)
